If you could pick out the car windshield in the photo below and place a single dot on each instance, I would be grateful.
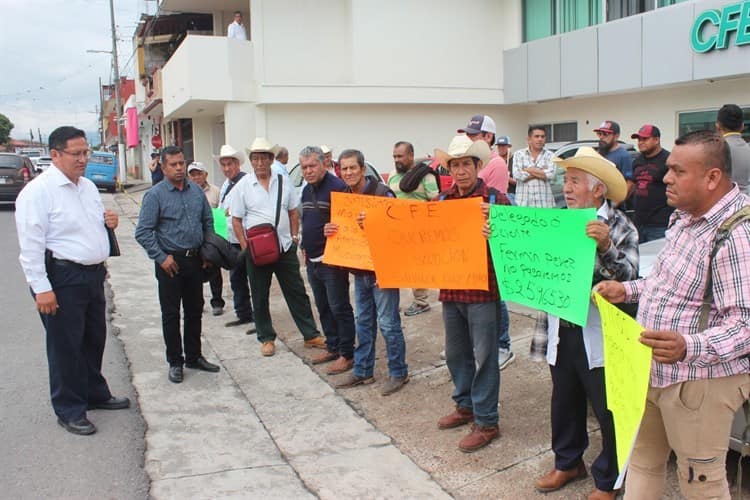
(10, 161)
(102, 159)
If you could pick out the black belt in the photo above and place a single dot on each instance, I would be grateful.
(189, 252)
(70, 263)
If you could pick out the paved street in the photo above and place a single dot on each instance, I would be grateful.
(39, 459)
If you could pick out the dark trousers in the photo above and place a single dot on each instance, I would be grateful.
(238, 281)
(186, 288)
(572, 384)
(293, 288)
(216, 283)
(330, 287)
(76, 335)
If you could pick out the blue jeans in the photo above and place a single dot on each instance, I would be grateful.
(650, 233)
(503, 323)
(377, 307)
(330, 287)
(471, 356)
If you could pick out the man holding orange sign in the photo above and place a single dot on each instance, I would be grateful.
(471, 316)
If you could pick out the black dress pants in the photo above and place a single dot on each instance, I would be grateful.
(573, 383)
(186, 288)
(76, 335)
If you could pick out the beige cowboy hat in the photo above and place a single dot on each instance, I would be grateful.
(590, 161)
(228, 151)
(262, 145)
(325, 149)
(460, 147)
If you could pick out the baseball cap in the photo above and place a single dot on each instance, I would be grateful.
(196, 165)
(645, 131)
(503, 140)
(477, 124)
(608, 126)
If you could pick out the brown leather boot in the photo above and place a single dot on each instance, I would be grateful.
(460, 416)
(479, 437)
(556, 479)
(598, 494)
(341, 365)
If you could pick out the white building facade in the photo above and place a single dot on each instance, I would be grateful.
(365, 74)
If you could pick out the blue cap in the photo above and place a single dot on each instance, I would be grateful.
(503, 140)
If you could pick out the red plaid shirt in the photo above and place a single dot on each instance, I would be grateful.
(475, 296)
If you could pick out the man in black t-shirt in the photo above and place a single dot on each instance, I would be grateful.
(649, 167)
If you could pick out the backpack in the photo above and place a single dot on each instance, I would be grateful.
(377, 188)
(411, 179)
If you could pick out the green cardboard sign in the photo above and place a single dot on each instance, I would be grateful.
(543, 258)
(220, 222)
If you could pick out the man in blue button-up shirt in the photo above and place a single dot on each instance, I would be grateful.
(174, 215)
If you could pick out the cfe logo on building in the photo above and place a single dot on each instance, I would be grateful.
(712, 28)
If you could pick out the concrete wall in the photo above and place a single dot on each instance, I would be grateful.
(374, 128)
(660, 107)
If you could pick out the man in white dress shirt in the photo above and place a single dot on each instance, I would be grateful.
(237, 29)
(61, 222)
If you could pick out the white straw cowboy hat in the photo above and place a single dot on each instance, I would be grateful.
(228, 151)
(262, 145)
(590, 161)
(460, 147)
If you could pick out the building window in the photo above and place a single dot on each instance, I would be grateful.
(691, 121)
(543, 18)
(560, 132)
(667, 3)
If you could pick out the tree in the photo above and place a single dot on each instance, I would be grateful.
(5, 127)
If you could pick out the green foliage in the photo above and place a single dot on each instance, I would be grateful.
(5, 127)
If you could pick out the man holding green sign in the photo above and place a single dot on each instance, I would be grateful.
(574, 353)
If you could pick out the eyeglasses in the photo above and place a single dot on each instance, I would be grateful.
(85, 154)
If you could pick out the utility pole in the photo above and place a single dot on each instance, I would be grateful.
(118, 104)
(101, 115)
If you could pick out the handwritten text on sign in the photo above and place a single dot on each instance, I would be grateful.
(543, 258)
(348, 247)
(428, 244)
(627, 364)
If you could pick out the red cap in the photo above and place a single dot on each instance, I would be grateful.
(646, 131)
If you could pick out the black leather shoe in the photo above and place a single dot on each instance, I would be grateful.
(81, 427)
(112, 403)
(175, 374)
(202, 364)
(238, 322)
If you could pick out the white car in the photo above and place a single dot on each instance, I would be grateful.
(42, 163)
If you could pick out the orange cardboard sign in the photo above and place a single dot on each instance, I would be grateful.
(348, 247)
(416, 244)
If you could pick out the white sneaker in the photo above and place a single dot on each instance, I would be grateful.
(504, 358)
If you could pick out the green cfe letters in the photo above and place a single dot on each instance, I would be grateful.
(732, 18)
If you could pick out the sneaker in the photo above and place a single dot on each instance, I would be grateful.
(353, 380)
(268, 348)
(504, 358)
(394, 384)
(217, 311)
(415, 309)
(317, 342)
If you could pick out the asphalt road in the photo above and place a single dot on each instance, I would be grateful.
(39, 459)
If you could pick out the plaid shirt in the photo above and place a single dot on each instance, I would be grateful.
(670, 297)
(474, 296)
(532, 192)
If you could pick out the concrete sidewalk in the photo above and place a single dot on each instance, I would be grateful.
(262, 427)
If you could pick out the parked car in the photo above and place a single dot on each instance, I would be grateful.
(101, 169)
(565, 150)
(648, 253)
(43, 163)
(15, 172)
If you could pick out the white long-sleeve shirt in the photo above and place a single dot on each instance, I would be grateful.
(53, 213)
(236, 30)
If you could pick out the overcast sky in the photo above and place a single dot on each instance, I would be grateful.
(48, 78)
